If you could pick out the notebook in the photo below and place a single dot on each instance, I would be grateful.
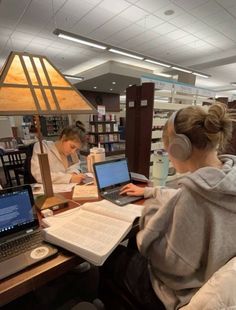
(110, 177)
(21, 243)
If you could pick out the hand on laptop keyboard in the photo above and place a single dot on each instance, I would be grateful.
(132, 190)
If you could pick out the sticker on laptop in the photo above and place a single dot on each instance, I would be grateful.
(39, 252)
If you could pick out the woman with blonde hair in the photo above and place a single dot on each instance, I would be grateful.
(188, 233)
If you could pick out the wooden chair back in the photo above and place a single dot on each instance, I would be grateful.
(7, 142)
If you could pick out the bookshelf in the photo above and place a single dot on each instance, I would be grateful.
(52, 125)
(104, 130)
(148, 107)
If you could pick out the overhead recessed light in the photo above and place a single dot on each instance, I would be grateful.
(114, 83)
(157, 63)
(73, 77)
(94, 87)
(130, 85)
(181, 69)
(111, 88)
(125, 54)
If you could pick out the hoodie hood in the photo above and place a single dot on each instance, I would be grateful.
(213, 183)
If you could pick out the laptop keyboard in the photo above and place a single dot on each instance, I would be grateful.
(115, 195)
(20, 245)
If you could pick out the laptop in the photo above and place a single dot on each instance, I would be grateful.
(21, 243)
(111, 176)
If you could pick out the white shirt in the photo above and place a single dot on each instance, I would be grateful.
(59, 173)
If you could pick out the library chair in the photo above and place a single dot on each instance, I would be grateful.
(11, 160)
(25, 171)
(219, 292)
(7, 143)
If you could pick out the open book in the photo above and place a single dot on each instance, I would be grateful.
(93, 230)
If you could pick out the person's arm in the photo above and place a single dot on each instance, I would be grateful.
(158, 192)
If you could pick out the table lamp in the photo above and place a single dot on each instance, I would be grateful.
(31, 85)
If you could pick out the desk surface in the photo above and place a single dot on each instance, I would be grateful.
(35, 276)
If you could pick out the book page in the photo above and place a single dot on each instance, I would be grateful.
(125, 213)
(104, 207)
(91, 236)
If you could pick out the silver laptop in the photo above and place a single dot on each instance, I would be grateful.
(111, 176)
(21, 243)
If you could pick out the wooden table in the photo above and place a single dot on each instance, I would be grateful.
(35, 276)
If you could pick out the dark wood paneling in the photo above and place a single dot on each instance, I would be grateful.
(139, 127)
(145, 128)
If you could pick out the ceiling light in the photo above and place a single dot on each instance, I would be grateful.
(201, 75)
(63, 36)
(100, 45)
(157, 63)
(73, 37)
(130, 85)
(111, 88)
(181, 69)
(164, 74)
(73, 77)
(94, 87)
(125, 54)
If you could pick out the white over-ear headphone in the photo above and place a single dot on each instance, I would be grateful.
(180, 147)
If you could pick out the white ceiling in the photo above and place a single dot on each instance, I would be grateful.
(200, 34)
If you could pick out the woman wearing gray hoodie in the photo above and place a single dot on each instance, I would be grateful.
(186, 238)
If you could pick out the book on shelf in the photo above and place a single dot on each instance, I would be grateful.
(108, 127)
(115, 127)
(111, 137)
(101, 138)
(100, 127)
(115, 137)
(93, 230)
(85, 192)
(92, 128)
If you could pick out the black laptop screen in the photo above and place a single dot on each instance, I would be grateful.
(16, 211)
(112, 173)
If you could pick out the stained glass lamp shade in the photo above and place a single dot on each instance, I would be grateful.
(30, 84)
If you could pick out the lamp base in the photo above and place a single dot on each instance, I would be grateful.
(55, 202)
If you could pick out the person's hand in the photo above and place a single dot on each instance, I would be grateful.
(77, 178)
(132, 190)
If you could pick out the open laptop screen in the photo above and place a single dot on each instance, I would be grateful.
(17, 211)
(112, 173)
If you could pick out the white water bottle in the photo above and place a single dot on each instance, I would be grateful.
(160, 167)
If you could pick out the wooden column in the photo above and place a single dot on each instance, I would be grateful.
(139, 115)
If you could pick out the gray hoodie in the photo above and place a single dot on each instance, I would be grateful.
(193, 234)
